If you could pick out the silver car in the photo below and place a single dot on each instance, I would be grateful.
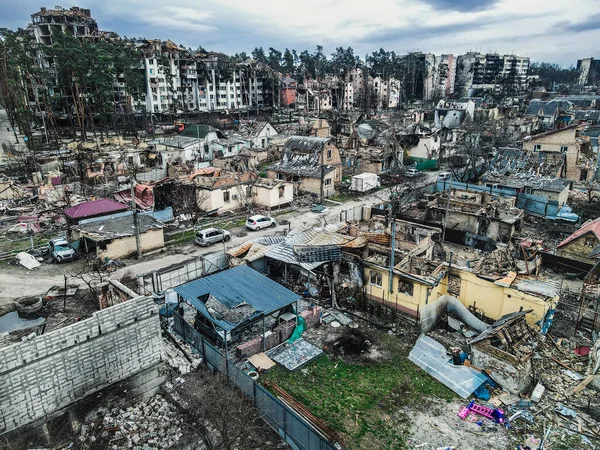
(61, 250)
(209, 236)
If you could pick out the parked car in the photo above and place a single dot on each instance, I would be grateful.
(60, 250)
(259, 222)
(444, 176)
(411, 173)
(209, 236)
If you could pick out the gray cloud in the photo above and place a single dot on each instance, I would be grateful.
(462, 5)
(590, 23)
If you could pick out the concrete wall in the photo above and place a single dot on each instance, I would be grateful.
(125, 246)
(43, 375)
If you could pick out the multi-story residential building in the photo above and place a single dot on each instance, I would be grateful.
(490, 71)
(589, 72)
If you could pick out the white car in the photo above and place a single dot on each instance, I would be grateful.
(259, 222)
(411, 173)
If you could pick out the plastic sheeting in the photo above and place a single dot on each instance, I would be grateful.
(432, 312)
(297, 334)
(431, 356)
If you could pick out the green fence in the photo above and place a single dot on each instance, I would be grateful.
(425, 164)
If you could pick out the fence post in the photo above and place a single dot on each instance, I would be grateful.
(31, 241)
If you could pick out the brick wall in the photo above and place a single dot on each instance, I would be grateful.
(280, 334)
(44, 374)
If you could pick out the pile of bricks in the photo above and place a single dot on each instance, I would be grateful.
(280, 334)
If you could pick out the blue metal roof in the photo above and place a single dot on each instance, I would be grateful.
(233, 287)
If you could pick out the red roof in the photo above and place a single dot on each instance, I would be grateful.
(144, 196)
(95, 208)
(592, 226)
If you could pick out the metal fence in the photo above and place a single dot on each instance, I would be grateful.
(283, 419)
(160, 280)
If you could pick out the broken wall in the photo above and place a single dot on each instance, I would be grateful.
(41, 376)
(514, 374)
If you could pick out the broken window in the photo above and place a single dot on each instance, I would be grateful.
(454, 285)
(405, 287)
(281, 191)
(590, 242)
(328, 182)
(564, 148)
(280, 176)
(376, 279)
(329, 154)
(226, 196)
(537, 147)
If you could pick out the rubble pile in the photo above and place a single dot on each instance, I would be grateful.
(175, 359)
(152, 424)
(564, 396)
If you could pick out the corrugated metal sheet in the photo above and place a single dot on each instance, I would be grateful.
(310, 253)
(233, 287)
(431, 356)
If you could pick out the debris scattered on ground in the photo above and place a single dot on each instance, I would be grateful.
(151, 424)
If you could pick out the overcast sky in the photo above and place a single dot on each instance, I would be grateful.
(546, 30)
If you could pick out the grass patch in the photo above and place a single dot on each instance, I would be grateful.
(362, 401)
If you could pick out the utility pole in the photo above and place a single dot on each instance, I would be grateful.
(136, 224)
(447, 208)
(322, 178)
(392, 245)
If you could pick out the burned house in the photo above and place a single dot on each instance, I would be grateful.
(577, 150)
(475, 218)
(580, 244)
(505, 350)
(113, 237)
(313, 164)
(378, 160)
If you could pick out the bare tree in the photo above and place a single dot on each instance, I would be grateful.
(221, 416)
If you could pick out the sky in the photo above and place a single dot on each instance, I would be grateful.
(554, 31)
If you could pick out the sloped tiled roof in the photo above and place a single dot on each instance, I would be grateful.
(95, 208)
(592, 226)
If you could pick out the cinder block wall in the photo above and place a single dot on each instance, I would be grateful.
(47, 373)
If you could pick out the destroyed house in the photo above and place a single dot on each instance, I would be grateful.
(476, 215)
(230, 301)
(313, 164)
(580, 244)
(114, 237)
(505, 350)
(418, 282)
(569, 141)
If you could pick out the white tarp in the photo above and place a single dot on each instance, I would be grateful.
(28, 261)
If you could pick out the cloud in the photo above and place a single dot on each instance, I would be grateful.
(436, 26)
(462, 5)
(588, 24)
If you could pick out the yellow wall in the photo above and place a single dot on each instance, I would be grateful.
(126, 246)
(495, 300)
(552, 142)
(580, 248)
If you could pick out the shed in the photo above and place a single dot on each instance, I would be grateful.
(231, 300)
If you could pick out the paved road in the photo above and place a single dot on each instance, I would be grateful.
(17, 282)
